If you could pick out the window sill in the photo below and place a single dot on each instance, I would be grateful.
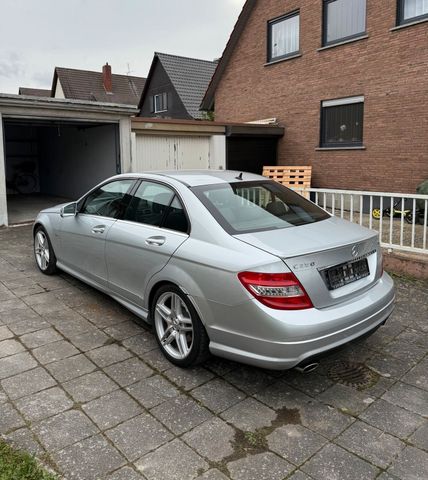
(345, 42)
(409, 24)
(322, 149)
(284, 59)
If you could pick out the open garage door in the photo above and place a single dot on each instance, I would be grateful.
(49, 162)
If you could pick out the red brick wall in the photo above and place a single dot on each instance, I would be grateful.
(390, 68)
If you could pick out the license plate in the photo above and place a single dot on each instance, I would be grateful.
(341, 275)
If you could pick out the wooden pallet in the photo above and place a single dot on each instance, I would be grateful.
(297, 178)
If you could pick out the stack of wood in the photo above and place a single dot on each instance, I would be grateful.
(296, 178)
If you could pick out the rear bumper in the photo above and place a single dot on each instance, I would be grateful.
(283, 339)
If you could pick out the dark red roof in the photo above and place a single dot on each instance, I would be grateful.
(88, 85)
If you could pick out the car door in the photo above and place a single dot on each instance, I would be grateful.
(154, 225)
(83, 235)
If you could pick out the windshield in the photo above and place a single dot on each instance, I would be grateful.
(244, 207)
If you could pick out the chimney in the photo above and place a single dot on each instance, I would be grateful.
(107, 78)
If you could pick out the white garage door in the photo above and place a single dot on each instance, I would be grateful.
(156, 152)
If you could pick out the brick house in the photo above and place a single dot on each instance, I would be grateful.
(347, 78)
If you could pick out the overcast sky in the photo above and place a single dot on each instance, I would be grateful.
(36, 36)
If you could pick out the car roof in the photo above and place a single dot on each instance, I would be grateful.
(195, 178)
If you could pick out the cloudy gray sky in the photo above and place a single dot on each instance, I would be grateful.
(37, 35)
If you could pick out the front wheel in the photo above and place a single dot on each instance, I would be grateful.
(179, 331)
(408, 217)
(25, 183)
(43, 251)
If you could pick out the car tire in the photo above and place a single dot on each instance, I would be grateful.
(43, 252)
(178, 329)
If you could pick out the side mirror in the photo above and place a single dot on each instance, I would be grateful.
(69, 210)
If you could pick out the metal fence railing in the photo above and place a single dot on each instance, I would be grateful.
(401, 219)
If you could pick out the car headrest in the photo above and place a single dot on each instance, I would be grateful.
(276, 208)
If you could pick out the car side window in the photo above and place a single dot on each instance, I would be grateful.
(149, 204)
(108, 200)
(175, 218)
(156, 204)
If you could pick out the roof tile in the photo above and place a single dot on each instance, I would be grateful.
(87, 85)
(190, 77)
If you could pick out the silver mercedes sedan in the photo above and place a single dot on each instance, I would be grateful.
(222, 262)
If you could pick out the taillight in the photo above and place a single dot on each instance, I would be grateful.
(276, 290)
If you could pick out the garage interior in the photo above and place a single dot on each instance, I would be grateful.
(54, 161)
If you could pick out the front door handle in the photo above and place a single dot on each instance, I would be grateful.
(99, 229)
(155, 241)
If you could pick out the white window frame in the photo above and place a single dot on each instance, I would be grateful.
(161, 95)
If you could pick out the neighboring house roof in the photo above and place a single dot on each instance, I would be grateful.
(34, 92)
(88, 85)
(208, 100)
(190, 77)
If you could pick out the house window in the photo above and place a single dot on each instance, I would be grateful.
(343, 20)
(412, 10)
(342, 122)
(160, 103)
(283, 36)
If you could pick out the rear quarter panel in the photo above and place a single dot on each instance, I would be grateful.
(208, 273)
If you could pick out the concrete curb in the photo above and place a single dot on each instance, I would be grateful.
(409, 264)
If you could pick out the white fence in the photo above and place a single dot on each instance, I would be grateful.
(401, 218)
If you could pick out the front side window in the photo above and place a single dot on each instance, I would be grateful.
(412, 10)
(343, 20)
(342, 122)
(245, 207)
(160, 103)
(283, 36)
(108, 200)
(156, 204)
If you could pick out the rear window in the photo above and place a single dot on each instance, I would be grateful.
(244, 207)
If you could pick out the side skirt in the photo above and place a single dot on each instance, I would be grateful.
(136, 310)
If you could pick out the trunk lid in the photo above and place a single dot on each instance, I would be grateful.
(309, 250)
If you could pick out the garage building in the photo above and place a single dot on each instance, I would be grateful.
(54, 150)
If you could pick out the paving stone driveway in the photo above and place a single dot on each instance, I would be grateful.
(84, 387)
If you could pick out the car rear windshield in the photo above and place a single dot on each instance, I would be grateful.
(244, 207)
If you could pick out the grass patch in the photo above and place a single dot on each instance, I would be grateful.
(16, 465)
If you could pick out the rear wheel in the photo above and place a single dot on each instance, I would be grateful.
(376, 213)
(43, 251)
(179, 331)
(408, 217)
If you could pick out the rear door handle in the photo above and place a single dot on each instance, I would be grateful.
(99, 229)
(155, 241)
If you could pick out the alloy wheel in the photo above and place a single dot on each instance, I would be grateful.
(174, 326)
(41, 249)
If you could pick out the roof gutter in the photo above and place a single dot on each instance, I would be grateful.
(11, 100)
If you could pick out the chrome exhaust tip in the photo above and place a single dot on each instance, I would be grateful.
(310, 367)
